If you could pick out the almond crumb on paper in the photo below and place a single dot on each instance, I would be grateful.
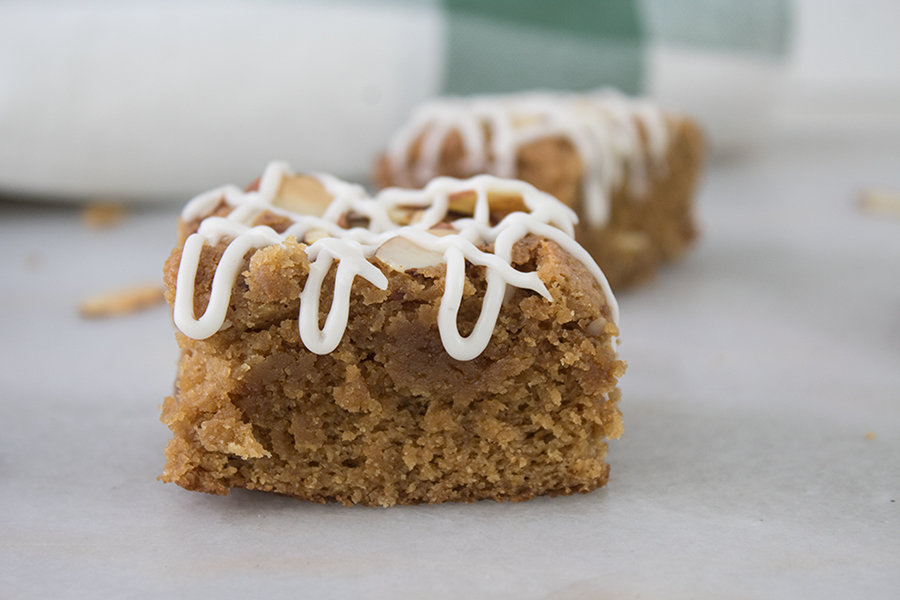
(102, 214)
(121, 302)
(880, 202)
(870, 435)
(34, 261)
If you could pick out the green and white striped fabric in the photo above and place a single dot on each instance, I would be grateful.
(712, 58)
(508, 45)
(148, 100)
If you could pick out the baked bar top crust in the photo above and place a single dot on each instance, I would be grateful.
(616, 138)
(451, 223)
(628, 167)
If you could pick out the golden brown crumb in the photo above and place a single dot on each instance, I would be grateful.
(121, 302)
(388, 417)
(102, 214)
(870, 435)
(885, 203)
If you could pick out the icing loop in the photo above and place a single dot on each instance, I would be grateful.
(352, 263)
(223, 280)
(467, 348)
(415, 221)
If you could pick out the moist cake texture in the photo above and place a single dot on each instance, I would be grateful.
(626, 166)
(449, 344)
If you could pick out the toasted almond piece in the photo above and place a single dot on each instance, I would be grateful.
(631, 242)
(402, 255)
(102, 214)
(501, 203)
(596, 327)
(302, 194)
(880, 202)
(526, 120)
(122, 302)
(314, 235)
(504, 202)
(406, 215)
(441, 229)
(463, 202)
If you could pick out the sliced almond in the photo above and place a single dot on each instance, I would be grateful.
(463, 202)
(122, 302)
(314, 235)
(441, 229)
(596, 327)
(880, 202)
(402, 255)
(302, 194)
(406, 215)
(501, 203)
(102, 214)
(522, 121)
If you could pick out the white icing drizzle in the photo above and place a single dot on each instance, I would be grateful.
(354, 248)
(602, 126)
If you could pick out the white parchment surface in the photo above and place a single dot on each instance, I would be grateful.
(761, 457)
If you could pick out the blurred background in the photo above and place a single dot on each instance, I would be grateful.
(157, 100)
(761, 457)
